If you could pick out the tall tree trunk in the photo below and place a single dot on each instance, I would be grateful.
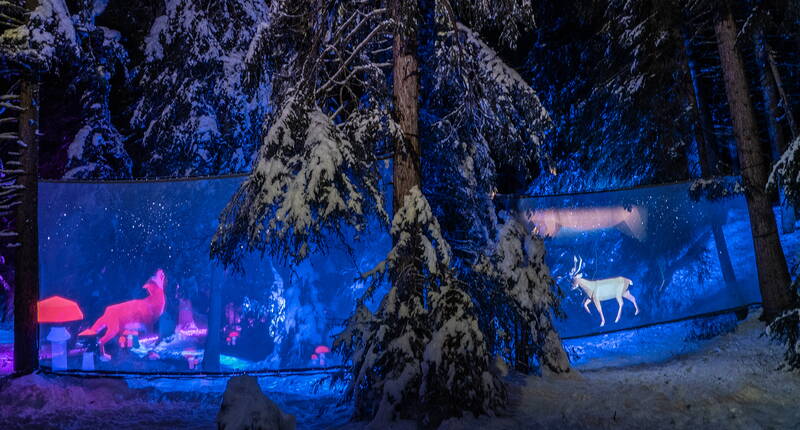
(406, 174)
(703, 138)
(776, 132)
(26, 292)
(776, 76)
(770, 93)
(698, 96)
(773, 273)
(213, 342)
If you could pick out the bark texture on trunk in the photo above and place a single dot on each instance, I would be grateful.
(406, 174)
(406, 108)
(26, 282)
(773, 273)
(697, 97)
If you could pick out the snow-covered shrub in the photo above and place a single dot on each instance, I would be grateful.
(246, 407)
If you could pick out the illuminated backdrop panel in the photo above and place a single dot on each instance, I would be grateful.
(129, 284)
(653, 249)
(134, 258)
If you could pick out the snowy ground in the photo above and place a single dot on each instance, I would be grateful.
(729, 382)
(725, 382)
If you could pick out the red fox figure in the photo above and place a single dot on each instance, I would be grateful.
(138, 314)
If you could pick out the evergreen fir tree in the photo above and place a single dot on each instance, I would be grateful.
(198, 114)
(524, 299)
(316, 178)
(97, 150)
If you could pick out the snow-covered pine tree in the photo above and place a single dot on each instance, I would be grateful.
(97, 150)
(449, 363)
(522, 298)
(316, 179)
(386, 348)
(69, 44)
(198, 114)
(480, 126)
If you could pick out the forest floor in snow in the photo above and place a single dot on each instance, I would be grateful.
(727, 382)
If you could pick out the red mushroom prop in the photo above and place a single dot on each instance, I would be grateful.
(232, 336)
(321, 350)
(58, 310)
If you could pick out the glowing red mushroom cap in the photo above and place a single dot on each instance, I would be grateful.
(322, 349)
(58, 310)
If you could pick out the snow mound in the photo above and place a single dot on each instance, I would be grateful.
(244, 406)
(65, 402)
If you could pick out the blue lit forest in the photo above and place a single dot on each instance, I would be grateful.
(399, 214)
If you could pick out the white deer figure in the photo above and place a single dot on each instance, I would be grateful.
(601, 290)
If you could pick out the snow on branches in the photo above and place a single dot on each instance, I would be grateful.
(408, 352)
(308, 182)
(198, 114)
(509, 17)
(456, 360)
(46, 35)
(786, 173)
(414, 226)
(385, 349)
(523, 294)
(316, 172)
(97, 150)
(482, 118)
(488, 102)
(785, 329)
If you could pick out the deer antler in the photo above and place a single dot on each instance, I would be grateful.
(577, 266)
(574, 268)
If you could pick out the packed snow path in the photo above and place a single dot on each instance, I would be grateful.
(727, 382)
